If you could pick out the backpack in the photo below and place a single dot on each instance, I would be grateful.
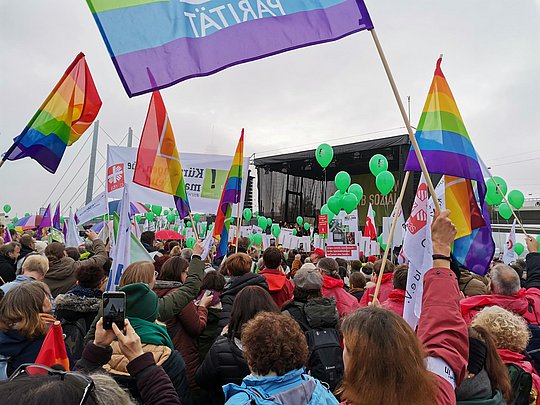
(533, 348)
(521, 385)
(74, 333)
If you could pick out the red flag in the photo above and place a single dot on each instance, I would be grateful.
(369, 229)
(53, 350)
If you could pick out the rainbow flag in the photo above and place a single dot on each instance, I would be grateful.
(53, 350)
(61, 120)
(176, 40)
(158, 162)
(232, 193)
(447, 149)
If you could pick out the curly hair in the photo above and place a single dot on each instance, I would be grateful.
(274, 342)
(509, 331)
(90, 275)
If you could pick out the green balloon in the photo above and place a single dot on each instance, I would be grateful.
(171, 218)
(257, 239)
(262, 223)
(184, 232)
(156, 209)
(276, 230)
(15, 220)
(378, 164)
(197, 217)
(247, 214)
(149, 216)
(385, 182)
(519, 248)
(324, 155)
(190, 242)
(357, 190)
(295, 231)
(166, 212)
(7, 208)
(188, 224)
(307, 226)
(493, 194)
(176, 228)
(490, 200)
(299, 220)
(343, 181)
(334, 204)
(349, 202)
(326, 211)
(11, 226)
(27, 214)
(268, 222)
(505, 211)
(148, 206)
(516, 199)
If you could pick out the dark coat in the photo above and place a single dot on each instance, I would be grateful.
(210, 333)
(19, 349)
(75, 305)
(235, 286)
(223, 364)
(8, 268)
(533, 270)
(317, 313)
(152, 382)
(185, 328)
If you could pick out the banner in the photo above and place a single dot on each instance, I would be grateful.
(204, 175)
(323, 225)
(342, 236)
(95, 208)
(157, 43)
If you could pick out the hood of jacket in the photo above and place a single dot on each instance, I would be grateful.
(516, 303)
(76, 303)
(60, 269)
(118, 363)
(237, 283)
(164, 287)
(275, 279)
(12, 343)
(330, 282)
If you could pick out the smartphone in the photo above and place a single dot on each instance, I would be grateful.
(82, 234)
(208, 293)
(114, 309)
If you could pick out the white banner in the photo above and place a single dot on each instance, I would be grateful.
(204, 175)
(95, 208)
(342, 233)
(284, 234)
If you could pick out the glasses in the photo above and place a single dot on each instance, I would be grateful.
(37, 369)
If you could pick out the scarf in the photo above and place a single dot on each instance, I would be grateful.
(151, 333)
(84, 292)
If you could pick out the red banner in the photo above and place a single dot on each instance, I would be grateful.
(323, 225)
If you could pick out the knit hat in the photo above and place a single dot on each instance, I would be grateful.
(141, 302)
(308, 277)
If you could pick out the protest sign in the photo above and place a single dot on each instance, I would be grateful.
(342, 236)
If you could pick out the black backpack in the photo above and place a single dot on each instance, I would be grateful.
(325, 353)
(521, 385)
(74, 333)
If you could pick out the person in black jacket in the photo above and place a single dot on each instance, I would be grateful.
(8, 259)
(533, 263)
(225, 361)
(238, 266)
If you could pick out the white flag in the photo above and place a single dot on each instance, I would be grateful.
(510, 254)
(369, 229)
(72, 234)
(418, 249)
(207, 244)
(121, 251)
(95, 208)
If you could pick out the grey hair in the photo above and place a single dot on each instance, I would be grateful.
(186, 254)
(504, 280)
(107, 391)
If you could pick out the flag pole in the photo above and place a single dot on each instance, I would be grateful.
(238, 223)
(391, 235)
(405, 119)
(509, 206)
(193, 226)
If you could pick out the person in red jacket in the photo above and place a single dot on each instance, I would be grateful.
(280, 287)
(511, 336)
(386, 283)
(506, 292)
(333, 287)
(387, 363)
(396, 298)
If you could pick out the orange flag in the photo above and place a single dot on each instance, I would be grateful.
(53, 350)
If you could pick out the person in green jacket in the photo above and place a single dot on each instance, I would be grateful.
(172, 303)
(487, 381)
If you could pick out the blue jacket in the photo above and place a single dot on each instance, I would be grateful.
(294, 387)
(19, 349)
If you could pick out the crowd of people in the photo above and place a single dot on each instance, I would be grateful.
(272, 327)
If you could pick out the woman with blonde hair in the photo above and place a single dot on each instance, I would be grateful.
(511, 335)
(386, 362)
(25, 317)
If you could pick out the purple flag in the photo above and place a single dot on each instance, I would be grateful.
(172, 41)
(56, 218)
(45, 221)
(7, 236)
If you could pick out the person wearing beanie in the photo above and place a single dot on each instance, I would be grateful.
(487, 381)
(142, 308)
(333, 287)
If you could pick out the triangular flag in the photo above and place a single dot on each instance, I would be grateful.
(370, 231)
(53, 350)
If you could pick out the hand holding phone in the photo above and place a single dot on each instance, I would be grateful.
(114, 309)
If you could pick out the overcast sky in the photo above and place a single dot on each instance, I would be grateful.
(335, 93)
